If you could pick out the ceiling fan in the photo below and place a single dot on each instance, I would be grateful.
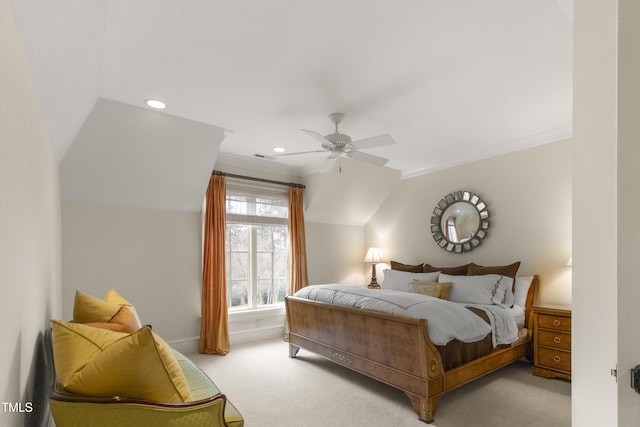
(339, 144)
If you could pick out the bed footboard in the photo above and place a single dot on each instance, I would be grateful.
(392, 349)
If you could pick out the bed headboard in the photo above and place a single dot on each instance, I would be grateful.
(531, 298)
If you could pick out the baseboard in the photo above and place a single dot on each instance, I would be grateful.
(191, 344)
(255, 335)
(185, 345)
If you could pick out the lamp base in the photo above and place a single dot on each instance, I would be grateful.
(374, 282)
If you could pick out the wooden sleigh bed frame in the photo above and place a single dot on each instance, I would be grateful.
(393, 349)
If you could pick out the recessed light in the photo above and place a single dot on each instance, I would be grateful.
(156, 103)
(279, 149)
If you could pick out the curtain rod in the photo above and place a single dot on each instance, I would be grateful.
(251, 178)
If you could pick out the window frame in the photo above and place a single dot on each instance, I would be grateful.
(253, 222)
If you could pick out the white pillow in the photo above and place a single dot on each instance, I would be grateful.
(522, 289)
(473, 289)
(399, 280)
(504, 294)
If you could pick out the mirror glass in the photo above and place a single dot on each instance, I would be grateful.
(460, 221)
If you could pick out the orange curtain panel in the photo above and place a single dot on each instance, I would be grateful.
(214, 329)
(298, 278)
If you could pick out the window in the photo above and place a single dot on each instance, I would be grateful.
(452, 232)
(256, 247)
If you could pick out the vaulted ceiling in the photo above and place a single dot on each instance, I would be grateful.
(451, 81)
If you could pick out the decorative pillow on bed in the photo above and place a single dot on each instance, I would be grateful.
(461, 270)
(505, 270)
(395, 265)
(504, 293)
(473, 289)
(399, 280)
(523, 283)
(433, 289)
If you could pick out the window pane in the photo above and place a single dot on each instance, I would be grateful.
(280, 289)
(239, 293)
(237, 237)
(236, 204)
(280, 239)
(238, 265)
(264, 265)
(280, 267)
(253, 202)
(265, 238)
(265, 292)
(271, 207)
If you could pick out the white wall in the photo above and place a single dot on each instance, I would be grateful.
(528, 194)
(29, 223)
(151, 257)
(335, 254)
(595, 202)
(628, 208)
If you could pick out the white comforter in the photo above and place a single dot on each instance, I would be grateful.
(446, 320)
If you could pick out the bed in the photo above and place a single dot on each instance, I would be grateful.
(397, 349)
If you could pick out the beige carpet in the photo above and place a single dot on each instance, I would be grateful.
(270, 389)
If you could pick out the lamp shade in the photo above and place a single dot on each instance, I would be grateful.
(373, 255)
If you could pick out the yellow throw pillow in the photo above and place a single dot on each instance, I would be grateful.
(128, 314)
(100, 362)
(87, 308)
(116, 298)
(74, 344)
(112, 310)
(117, 327)
(433, 289)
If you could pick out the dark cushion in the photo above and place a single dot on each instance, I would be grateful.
(406, 267)
(505, 270)
(460, 270)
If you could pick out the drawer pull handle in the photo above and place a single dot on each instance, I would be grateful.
(557, 340)
(556, 322)
(557, 358)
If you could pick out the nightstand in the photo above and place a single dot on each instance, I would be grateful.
(552, 341)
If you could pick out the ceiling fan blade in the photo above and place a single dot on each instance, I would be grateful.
(369, 158)
(374, 141)
(300, 152)
(317, 136)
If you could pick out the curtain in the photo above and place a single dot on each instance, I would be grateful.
(214, 329)
(298, 278)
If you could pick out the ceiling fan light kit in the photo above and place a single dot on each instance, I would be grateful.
(339, 144)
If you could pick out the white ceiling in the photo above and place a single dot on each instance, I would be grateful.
(451, 81)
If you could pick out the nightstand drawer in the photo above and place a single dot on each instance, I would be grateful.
(547, 321)
(559, 340)
(560, 360)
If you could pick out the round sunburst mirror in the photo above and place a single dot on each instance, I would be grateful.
(460, 222)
